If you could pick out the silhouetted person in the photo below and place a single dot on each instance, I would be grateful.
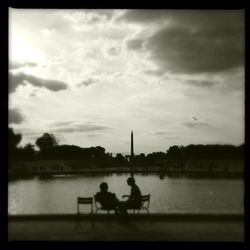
(134, 199)
(106, 199)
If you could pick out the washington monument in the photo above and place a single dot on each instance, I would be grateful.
(132, 146)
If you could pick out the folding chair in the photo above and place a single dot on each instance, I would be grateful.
(99, 207)
(84, 201)
(145, 200)
(145, 203)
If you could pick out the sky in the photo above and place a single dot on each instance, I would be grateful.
(174, 77)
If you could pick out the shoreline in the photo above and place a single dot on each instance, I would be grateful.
(171, 173)
(141, 216)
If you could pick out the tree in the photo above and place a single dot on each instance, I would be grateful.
(175, 153)
(13, 139)
(28, 152)
(47, 141)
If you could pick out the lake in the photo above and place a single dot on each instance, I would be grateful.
(58, 194)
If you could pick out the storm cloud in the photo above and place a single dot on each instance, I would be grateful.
(87, 82)
(21, 79)
(178, 50)
(196, 124)
(135, 44)
(85, 128)
(190, 42)
(15, 116)
(143, 16)
(17, 65)
(201, 83)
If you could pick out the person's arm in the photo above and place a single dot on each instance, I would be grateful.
(128, 196)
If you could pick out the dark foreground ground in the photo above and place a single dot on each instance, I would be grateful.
(133, 228)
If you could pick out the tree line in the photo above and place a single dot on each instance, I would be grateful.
(49, 149)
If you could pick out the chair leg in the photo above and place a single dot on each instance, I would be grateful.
(77, 221)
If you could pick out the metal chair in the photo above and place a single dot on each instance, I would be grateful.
(99, 207)
(145, 200)
(84, 201)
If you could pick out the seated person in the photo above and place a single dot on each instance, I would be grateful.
(134, 199)
(106, 199)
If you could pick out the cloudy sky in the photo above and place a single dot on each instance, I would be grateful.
(174, 77)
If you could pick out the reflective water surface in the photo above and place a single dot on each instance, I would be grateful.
(58, 194)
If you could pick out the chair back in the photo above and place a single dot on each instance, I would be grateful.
(84, 200)
(145, 200)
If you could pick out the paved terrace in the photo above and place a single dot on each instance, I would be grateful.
(142, 227)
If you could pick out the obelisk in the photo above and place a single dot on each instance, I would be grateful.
(132, 146)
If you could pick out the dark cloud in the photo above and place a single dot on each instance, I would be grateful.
(84, 128)
(135, 44)
(94, 19)
(92, 135)
(161, 133)
(29, 132)
(15, 116)
(143, 16)
(186, 18)
(201, 83)
(33, 94)
(179, 50)
(108, 13)
(196, 124)
(17, 65)
(118, 74)
(87, 82)
(114, 51)
(60, 124)
(169, 135)
(21, 79)
(194, 41)
(157, 72)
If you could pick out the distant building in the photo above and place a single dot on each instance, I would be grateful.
(38, 167)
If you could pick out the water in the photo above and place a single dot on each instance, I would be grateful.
(58, 194)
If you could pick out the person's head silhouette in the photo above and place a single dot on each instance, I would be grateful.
(104, 187)
(131, 181)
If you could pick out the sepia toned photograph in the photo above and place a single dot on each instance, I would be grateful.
(126, 125)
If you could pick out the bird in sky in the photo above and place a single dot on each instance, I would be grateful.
(195, 118)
